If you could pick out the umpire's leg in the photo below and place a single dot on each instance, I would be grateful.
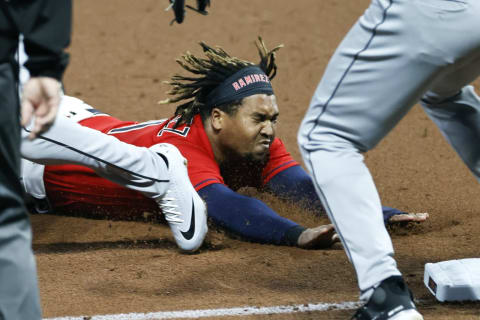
(19, 298)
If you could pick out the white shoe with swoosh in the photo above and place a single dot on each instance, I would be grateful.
(184, 210)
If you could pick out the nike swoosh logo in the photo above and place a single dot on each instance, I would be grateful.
(191, 231)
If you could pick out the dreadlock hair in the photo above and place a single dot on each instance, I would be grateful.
(208, 73)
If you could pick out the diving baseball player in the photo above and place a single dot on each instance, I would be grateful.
(397, 54)
(228, 137)
(159, 172)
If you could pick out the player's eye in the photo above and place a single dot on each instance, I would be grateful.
(259, 118)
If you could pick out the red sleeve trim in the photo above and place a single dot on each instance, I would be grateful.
(204, 183)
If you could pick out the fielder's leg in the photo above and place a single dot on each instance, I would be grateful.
(356, 104)
(456, 112)
(383, 66)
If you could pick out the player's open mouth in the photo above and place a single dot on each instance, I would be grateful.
(265, 143)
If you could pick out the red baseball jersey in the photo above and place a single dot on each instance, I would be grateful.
(79, 189)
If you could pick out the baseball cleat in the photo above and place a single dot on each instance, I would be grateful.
(184, 210)
(178, 7)
(201, 7)
(391, 300)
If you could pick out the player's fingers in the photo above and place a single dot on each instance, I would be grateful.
(317, 238)
(48, 110)
(401, 218)
(43, 120)
(45, 115)
(336, 238)
(327, 229)
(40, 126)
(51, 113)
(35, 129)
(26, 111)
(409, 217)
(325, 237)
(420, 216)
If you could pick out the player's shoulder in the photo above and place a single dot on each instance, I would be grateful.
(277, 143)
(189, 137)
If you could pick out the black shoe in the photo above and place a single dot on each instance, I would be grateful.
(391, 300)
(178, 9)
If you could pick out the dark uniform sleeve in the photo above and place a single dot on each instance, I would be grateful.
(46, 26)
(248, 217)
(295, 185)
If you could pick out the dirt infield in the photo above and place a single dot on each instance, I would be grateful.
(121, 52)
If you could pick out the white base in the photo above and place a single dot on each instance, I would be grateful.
(454, 280)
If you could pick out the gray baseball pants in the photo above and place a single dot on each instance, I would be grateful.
(398, 53)
(19, 298)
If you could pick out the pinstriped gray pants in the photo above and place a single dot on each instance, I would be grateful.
(398, 53)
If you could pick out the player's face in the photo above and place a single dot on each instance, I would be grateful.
(251, 130)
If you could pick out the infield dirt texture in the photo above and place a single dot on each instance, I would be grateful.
(122, 50)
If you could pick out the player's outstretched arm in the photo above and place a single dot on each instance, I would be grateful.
(294, 184)
(253, 220)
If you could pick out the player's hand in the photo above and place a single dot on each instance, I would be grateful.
(40, 98)
(318, 238)
(408, 217)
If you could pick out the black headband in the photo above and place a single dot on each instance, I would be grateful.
(245, 82)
